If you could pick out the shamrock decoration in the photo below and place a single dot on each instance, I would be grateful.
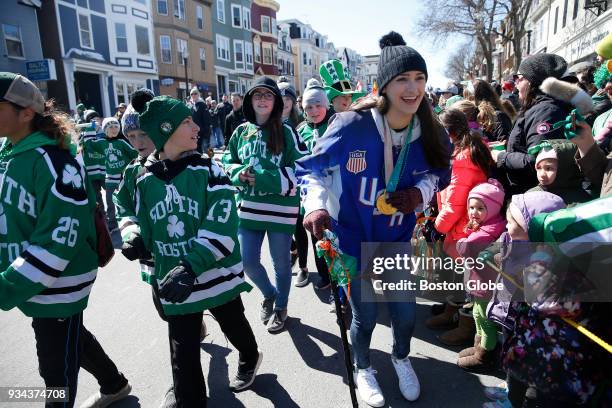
(175, 227)
(3, 227)
(112, 157)
(71, 175)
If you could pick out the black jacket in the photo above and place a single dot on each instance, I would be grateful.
(232, 121)
(503, 127)
(202, 118)
(536, 124)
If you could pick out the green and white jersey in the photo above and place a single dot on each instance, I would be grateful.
(48, 263)
(310, 133)
(93, 147)
(273, 203)
(124, 198)
(186, 211)
(119, 153)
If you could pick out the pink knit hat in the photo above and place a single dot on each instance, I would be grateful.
(491, 194)
(546, 154)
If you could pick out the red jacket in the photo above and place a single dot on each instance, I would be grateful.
(452, 201)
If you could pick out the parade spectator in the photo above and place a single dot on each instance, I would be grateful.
(216, 137)
(509, 95)
(510, 109)
(367, 141)
(224, 108)
(487, 100)
(78, 116)
(234, 119)
(291, 112)
(592, 160)
(201, 116)
(338, 88)
(120, 111)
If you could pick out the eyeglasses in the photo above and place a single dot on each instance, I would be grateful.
(266, 96)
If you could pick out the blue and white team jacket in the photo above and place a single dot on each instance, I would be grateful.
(345, 175)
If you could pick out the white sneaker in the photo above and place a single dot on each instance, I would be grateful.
(100, 400)
(369, 391)
(408, 381)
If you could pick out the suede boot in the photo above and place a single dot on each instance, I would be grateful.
(445, 320)
(470, 350)
(463, 334)
(481, 359)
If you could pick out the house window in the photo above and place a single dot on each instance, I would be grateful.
(267, 54)
(274, 28)
(203, 59)
(564, 13)
(165, 45)
(248, 54)
(83, 3)
(257, 52)
(236, 16)
(181, 47)
(246, 18)
(121, 35)
(223, 48)
(162, 7)
(556, 19)
(265, 24)
(238, 54)
(200, 17)
(142, 40)
(12, 40)
(233, 86)
(304, 59)
(179, 9)
(221, 11)
(576, 8)
(85, 31)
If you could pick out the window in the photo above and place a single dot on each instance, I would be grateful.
(248, 55)
(221, 11)
(265, 24)
(12, 40)
(246, 18)
(257, 52)
(200, 17)
(564, 13)
(304, 59)
(203, 59)
(83, 3)
(274, 32)
(165, 45)
(142, 40)
(85, 31)
(223, 48)
(238, 54)
(236, 16)
(181, 47)
(556, 19)
(267, 54)
(576, 8)
(121, 35)
(162, 7)
(179, 9)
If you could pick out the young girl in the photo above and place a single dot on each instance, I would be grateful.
(187, 215)
(375, 165)
(92, 143)
(260, 161)
(485, 225)
(493, 118)
(49, 263)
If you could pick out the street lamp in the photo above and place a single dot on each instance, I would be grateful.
(185, 60)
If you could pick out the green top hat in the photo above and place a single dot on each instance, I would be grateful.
(336, 79)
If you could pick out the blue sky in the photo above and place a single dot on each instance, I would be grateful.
(358, 24)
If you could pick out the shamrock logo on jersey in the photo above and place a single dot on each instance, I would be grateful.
(112, 157)
(175, 227)
(71, 175)
(3, 228)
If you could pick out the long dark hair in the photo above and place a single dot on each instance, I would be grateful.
(53, 122)
(274, 125)
(456, 123)
(487, 99)
(436, 152)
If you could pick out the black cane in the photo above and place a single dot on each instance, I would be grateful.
(347, 351)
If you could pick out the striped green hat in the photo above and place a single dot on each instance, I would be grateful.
(337, 80)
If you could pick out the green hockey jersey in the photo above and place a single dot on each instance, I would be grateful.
(273, 202)
(309, 133)
(119, 153)
(94, 156)
(186, 211)
(47, 237)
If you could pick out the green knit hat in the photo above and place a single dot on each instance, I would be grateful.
(161, 117)
(337, 80)
(604, 47)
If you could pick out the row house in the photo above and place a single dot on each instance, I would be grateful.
(286, 56)
(265, 37)
(185, 50)
(234, 63)
(102, 49)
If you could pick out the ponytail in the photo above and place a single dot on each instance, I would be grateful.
(55, 123)
(486, 116)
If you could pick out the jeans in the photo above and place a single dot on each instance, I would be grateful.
(402, 315)
(65, 345)
(280, 250)
(216, 137)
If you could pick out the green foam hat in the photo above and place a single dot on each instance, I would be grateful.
(336, 79)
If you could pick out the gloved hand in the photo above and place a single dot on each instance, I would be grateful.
(316, 222)
(178, 283)
(405, 200)
(134, 248)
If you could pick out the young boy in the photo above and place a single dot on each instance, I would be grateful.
(186, 210)
(92, 144)
(338, 88)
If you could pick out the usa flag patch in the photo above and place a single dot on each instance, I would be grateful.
(356, 162)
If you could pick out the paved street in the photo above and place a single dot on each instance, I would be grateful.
(303, 365)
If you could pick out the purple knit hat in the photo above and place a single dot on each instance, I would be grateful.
(491, 194)
(524, 207)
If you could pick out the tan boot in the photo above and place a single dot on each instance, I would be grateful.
(480, 360)
(445, 320)
(463, 334)
(470, 350)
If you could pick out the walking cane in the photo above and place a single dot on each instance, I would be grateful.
(348, 365)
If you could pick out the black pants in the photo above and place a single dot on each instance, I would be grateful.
(65, 345)
(184, 336)
(301, 242)
(97, 186)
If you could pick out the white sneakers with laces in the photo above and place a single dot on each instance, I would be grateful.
(408, 381)
(369, 391)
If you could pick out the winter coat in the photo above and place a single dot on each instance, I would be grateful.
(597, 168)
(601, 104)
(232, 121)
(452, 201)
(533, 126)
(201, 117)
(568, 182)
(502, 129)
(473, 244)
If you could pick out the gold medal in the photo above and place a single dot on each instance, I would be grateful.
(383, 206)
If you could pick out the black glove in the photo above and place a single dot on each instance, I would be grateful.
(178, 283)
(405, 200)
(135, 248)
